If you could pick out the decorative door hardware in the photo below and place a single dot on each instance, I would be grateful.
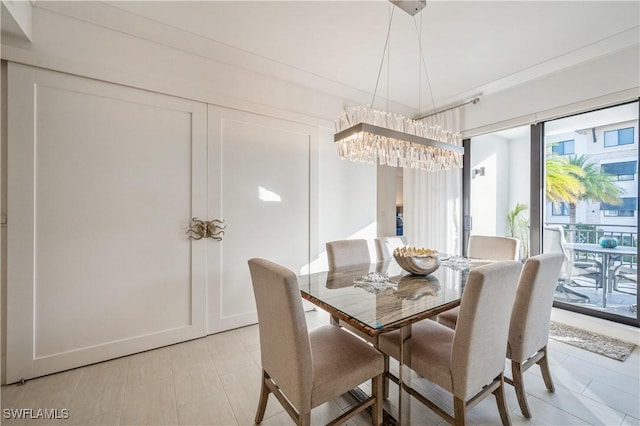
(200, 229)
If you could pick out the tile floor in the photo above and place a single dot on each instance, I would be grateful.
(215, 381)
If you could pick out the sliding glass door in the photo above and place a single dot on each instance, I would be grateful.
(498, 185)
(590, 209)
(569, 186)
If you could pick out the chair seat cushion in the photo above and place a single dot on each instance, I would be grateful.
(449, 318)
(431, 345)
(341, 361)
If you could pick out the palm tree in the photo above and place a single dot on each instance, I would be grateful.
(577, 179)
(564, 180)
(598, 185)
(518, 227)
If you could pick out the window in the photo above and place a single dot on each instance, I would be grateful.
(626, 209)
(619, 137)
(560, 209)
(618, 213)
(622, 171)
(564, 147)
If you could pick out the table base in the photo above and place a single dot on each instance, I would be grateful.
(387, 418)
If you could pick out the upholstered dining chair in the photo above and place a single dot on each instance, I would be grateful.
(468, 362)
(304, 369)
(493, 248)
(341, 253)
(529, 324)
(386, 245)
(530, 320)
(484, 247)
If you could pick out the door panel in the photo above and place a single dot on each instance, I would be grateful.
(103, 183)
(260, 165)
(603, 145)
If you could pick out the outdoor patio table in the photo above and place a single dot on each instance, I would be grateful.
(608, 255)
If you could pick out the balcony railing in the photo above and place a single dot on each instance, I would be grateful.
(591, 233)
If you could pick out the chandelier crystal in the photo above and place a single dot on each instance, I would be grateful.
(367, 135)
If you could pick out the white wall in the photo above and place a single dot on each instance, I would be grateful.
(346, 199)
(604, 81)
(490, 193)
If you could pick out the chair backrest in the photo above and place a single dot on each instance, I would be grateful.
(480, 340)
(531, 316)
(343, 253)
(494, 248)
(386, 245)
(285, 349)
(553, 241)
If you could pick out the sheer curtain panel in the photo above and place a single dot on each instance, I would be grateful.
(433, 200)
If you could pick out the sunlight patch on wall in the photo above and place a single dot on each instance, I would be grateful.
(266, 195)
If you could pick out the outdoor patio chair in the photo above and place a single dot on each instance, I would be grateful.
(626, 275)
(573, 273)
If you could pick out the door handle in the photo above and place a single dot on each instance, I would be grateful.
(215, 229)
(200, 229)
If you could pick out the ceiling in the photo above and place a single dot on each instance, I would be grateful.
(469, 48)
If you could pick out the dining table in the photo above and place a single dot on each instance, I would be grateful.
(371, 309)
(609, 256)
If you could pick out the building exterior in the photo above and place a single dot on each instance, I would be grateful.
(613, 147)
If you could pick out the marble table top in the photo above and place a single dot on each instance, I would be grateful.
(406, 299)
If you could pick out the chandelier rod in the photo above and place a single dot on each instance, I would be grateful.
(386, 43)
(421, 64)
(471, 101)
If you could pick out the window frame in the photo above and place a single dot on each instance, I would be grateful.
(563, 144)
(563, 207)
(617, 132)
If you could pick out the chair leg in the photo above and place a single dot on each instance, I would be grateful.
(385, 380)
(264, 396)
(518, 383)
(376, 411)
(502, 403)
(546, 373)
(459, 411)
(305, 419)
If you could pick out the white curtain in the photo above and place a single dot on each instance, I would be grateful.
(432, 201)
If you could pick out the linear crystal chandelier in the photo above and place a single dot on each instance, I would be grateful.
(368, 135)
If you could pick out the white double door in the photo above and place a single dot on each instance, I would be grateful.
(103, 181)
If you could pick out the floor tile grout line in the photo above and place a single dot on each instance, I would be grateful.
(124, 394)
(173, 385)
(557, 408)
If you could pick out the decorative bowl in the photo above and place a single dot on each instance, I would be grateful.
(608, 242)
(417, 261)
